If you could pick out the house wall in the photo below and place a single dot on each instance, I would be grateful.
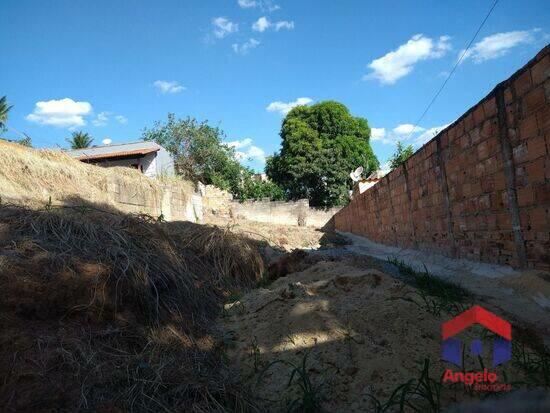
(153, 164)
(480, 189)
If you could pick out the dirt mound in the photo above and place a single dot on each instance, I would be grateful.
(104, 311)
(341, 335)
(282, 237)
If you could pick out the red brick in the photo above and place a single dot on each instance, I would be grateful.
(535, 170)
(541, 70)
(490, 107)
(508, 97)
(523, 83)
(543, 118)
(539, 219)
(528, 127)
(542, 194)
(468, 122)
(533, 100)
(536, 147)
(499, 180)
(526, 196)
(478, 115)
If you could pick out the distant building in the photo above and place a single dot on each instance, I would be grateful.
(261, 177)
(368, 182)
(147, 157)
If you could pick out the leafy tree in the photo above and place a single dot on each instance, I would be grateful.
(80, 140)
(200, 155)
(402, 153)
(259, 190)
(321, 145)
(4, 109)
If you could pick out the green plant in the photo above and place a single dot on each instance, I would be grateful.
(255, 353)
(535, 364)
(402, 153)
(4, 110)
(422, 395)
(200, 154)
(80, 140)
(437, 295)
(321, 145)
(309, 399)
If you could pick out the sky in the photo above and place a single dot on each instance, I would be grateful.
(112, 68)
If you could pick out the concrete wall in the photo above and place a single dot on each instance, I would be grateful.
(480, 189)
(176, 201)
(221, 203)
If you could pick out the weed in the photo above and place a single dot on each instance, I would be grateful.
(255, 353)
(437, 295)
(421, 395)
(535, 364)
(309, 399)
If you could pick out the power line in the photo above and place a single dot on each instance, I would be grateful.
(453, 70)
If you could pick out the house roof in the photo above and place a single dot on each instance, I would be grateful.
(112, 151)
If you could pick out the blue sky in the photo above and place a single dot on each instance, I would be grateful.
(111, 68)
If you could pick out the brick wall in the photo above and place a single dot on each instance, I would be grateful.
(478, 190)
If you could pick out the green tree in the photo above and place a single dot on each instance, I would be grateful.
(200, 155)
(321, 145)
(4, 109)
(80, 140)
(402, 153)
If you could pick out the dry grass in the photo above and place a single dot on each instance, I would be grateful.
(32, 176)
(109, 312)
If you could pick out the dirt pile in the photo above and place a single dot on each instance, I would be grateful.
(282, 237)
(343, 337)
(108, 312)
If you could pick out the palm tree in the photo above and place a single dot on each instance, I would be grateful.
(4, 109)
(80, 140)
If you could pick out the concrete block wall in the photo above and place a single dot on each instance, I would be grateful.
(176, 201)
(478, 190)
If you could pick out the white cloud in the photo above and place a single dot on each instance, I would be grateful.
(239, 144)
(101, 119)
(406, 129)
(255, 153)
(223, 27)
(263, 24)
(377, 134)
(429, 134)
(247, 151)
(247, 4)
(400, 62)
(165, 86)
(265, 5)
(284, 107)
(62, 113)
(283, 24)
(497, 45)
(404, 133)
(245, 47)
(121, 119)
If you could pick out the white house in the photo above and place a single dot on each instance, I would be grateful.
(148, 157)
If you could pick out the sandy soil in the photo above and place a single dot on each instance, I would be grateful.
(360, 336)
(283, 237)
